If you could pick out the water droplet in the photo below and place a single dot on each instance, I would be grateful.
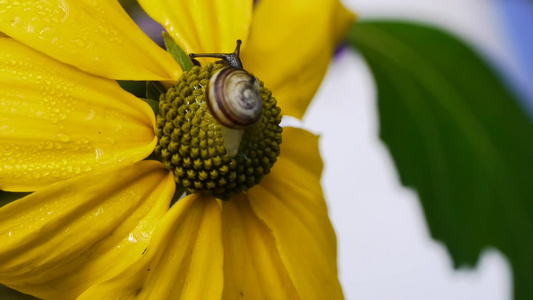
(65, 8)
(131, 238)
(78, 42)
(99, 153)
(99, 211)
(91, 115)
(63, 137)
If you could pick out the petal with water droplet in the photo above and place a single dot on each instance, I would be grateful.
(96, 36)
(183, 261)
(57, 122)
(60, 240)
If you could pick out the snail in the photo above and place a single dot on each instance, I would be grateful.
(232, 93)
(233, 98)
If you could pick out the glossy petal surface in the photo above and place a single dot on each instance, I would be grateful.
(278, 242)
(62, 239)
(183, 261)
(291, 43)
(290, 202)
(57, 122)
(253, 268)
(96, 36)
(202, 26)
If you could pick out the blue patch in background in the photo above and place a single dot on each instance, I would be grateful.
(518, 18)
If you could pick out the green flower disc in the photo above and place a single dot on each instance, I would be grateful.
(191, 143)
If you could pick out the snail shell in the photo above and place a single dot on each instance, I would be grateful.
(233, 98)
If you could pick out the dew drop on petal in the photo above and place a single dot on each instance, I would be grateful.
(99, 153)
(63, 137)
(131, 238)
(76, 170)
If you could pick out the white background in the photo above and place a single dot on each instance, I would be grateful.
(385, 249)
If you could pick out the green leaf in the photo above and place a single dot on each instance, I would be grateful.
(154, 89)
(179, 55)
(458, 137)
(137, 88)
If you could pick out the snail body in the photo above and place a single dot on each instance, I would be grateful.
(233, 98)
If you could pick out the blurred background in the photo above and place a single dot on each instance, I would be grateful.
(385, 248)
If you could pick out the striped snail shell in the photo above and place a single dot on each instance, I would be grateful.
(233, 98)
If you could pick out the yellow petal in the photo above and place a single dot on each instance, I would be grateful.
(291, 43)
(183, 261)
(57, 121)
(252, 265)
(202, 26)
(96, 36)
(290, 202)
(58, 241)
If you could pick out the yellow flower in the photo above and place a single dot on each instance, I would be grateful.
(98, 223)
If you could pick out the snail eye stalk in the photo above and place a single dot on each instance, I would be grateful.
(231, 59)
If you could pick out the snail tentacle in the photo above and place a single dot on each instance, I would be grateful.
(231, 59)
(233, 93)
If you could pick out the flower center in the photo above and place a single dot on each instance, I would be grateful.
(203, 154)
